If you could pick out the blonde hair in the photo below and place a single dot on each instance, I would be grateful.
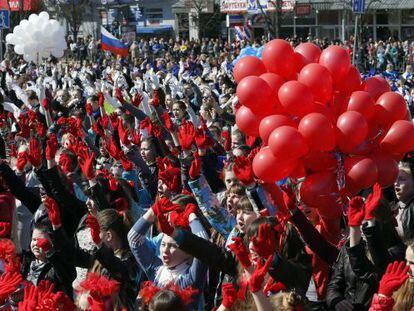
(287, 301)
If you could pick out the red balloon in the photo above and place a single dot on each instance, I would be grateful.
(320, 190)
(278, 56)
(248, 66)
(340, 103)
(362, 102)
(270, 169)
(375, 86)
(287, 143)
(399, 138)
(318, 132)
(351, 83)
(254, 93)
(310, 52)
(361, 172)
(390, 107)
(296, 98)
(275, 81)
(298, 62)
(319, 80)
(299, 170)
(318, 161)
(337, 60)
(352, 130)
(247, 121)
(270, 123)
(387, 169)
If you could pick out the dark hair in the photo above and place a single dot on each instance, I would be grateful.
(166, 300)
(254, 227)
(43, 225)
(245, 205)
(110, 219)
(32, 95)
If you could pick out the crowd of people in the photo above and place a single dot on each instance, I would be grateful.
(126, 185)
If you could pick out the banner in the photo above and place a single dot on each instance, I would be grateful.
(233, 6)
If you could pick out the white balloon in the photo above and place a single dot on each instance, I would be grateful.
(37, 35)
(44, 15)
(58, 53)
(18, 31)
(10, 38)
(19, 49)
(44, 54)
(24, 22)
(33, 17)
(29, 57)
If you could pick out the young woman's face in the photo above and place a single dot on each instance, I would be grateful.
(171, 255)
(409, 257)
(404, 185)
(230, 179)
(147, 153)
(163, 190)
(244, 219)
(177, 112)
(232, 200)
(37, 252)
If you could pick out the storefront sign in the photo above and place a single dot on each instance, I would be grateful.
(233, 6)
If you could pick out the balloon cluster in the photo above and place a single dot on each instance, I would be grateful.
(38, 37)
(318, 120)
(249, 51)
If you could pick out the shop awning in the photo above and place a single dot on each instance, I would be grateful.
(372, 5)
(153, 30)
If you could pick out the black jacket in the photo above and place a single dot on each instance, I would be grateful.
(354, 278)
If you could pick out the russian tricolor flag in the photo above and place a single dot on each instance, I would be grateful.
(112, 44)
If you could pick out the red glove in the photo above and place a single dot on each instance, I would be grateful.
(45, 103)
(265, 242)
(65, 163)
(5, 230)
(51, 147)
(24, 127)
(29, 302)
(356, 211)
(88, 108)
(86, 163)
(126, 164)
(195, 167)
(258, 276)
(101, 99)
(186, 135)
(97, 129)
(155, 98)
(113, 117)
(163, 206)
(241, 252)
(53, 211)
(44, 244)
(13, 151)
(393, 278)
(167, 122)
(35, 153)
(203, 141)
(243, 170)
(121, 204)
(96, 304)
(113, 148)
(9, 282)
(136, 138)
(226, 140)
(93, 224)
(137, 99)
(104, 121)
(372, 202)
(229, 294)
(119, 96)
(40, 129)
(123, 134)
(21, 160)
(164, 225)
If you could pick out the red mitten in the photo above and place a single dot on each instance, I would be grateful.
(9, 282)
(30, 299)
(137, 99)
(202, 140)
(113, 148)
(393, 278)
(164, 206)
(53, 211)
(195, 167)
(101, 99)
(45, 103)
(113, 117)
(226, 140)
(88, 108)
(373, 201)
(136, 138)
(119, 96)
(65, 163)
(229, 294)
(265, 242)
(167, 122)
(21, 161)
(155, 98)
(241, 252)
(44, 244)
(126, 163)
(164, 225)
(35, 153)
(258, 276)
(186, 135)
(52, 146)
(243, 170)
(93, 224)
(356, 211)
(40, 129)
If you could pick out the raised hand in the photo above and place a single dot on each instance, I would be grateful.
(52, 146)
(257, 278)
(265, 242)
(113, 148)
(86, 163)
(93, 224)
(123, 134)
(243, 170)
(356, 211)
(9, 282)
(393, 278)
(88, 108)
(195, 167)
(167, 122)
(241, 252)
(35, 153)
(119, 96)
(225, 135)
(372, 202)
(155, 99)
(21, 161)
(101, 99)
(163, 206)
(229, 294)
(186, 135)
(202, 140)
(53, 211)
(113, 117)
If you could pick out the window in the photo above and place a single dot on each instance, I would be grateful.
(154, 13)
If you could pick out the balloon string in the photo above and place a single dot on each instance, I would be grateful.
(341, 180)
